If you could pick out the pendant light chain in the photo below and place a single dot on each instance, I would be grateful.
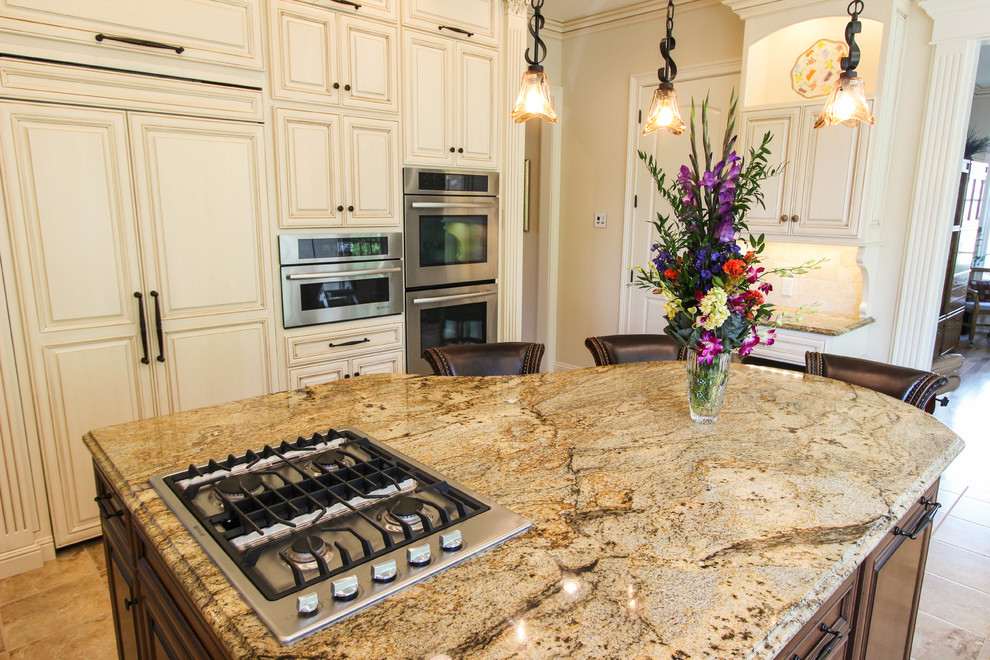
(669, 70)
(851, 61)
(536, 23)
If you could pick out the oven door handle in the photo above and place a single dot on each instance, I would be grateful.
(450, 205)
(459, 296)
(341, 274)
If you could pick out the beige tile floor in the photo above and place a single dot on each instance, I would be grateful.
(954, 615)
(62, 610)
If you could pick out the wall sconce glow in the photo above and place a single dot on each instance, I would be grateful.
(534, 93)
(846, 103)
(664, 113)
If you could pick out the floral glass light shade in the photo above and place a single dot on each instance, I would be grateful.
(846, 104)
(534, 98)
(664, 113)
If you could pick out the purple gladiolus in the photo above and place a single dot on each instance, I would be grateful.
(710, 347)
(684, 177)
(725, 233)
(708, 180)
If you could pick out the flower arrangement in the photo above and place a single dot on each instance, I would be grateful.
(715, 291)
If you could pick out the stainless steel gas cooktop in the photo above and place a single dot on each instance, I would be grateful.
(314, 530)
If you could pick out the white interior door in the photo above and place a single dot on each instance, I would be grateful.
(643, 310)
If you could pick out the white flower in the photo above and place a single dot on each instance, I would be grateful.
(671, 307)
(714, 308)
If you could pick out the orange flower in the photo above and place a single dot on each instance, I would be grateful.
(734, 268)
(670, 274)
(749, 256)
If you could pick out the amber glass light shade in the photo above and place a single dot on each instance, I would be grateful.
(664, 113)
(846, 104)
(534, 98)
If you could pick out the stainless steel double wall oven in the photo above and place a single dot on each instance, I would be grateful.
(451, 257)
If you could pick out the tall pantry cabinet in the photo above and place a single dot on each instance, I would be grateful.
(139, 248)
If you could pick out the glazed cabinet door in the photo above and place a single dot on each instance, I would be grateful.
(474, 20)
(308, 160)
(382, 363)
(77, 270)
(317, 374)
(305, 65)
(830, 190)
(124, 604)
(428, 99)
(369, 64)
(782, 124)
(891, 585)
(203, 206)
(219, 31)
(373, 181)
(476, 107)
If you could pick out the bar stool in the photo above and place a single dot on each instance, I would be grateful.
(912, 386)
(498, 359)
(620, 349)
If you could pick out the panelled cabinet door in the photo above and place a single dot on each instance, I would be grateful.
(305, 64)
(308, 159)
(372, 8)
(203, 206)
(382, 363)
(831, 189)
(369, 64)
(477, 120)
(782, 123)
(77, 269)
(428, 98)
(317, 374)
(474, 20)
(220, 31)
(373, 183)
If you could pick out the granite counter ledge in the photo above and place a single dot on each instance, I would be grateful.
(712, 541)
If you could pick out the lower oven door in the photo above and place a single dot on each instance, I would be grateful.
(326, 293)
(442, 317)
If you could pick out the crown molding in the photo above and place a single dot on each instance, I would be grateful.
(957, 19)
(747, 9)
(627, 15)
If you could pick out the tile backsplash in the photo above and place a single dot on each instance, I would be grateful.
(837, 285)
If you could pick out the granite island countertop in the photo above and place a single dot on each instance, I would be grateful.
(652, 536)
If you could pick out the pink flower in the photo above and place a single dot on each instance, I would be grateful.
(710, 347)
(749, 343)
(765, 287)
(768, 340)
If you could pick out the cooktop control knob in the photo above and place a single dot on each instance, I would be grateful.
(308, 603)
(345, 588)
(384, 571)
(419, 555)
(451, 540)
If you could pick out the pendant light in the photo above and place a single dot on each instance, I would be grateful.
(534, 93)
(664, 113)
(846, 103)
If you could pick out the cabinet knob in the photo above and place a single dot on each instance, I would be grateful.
(461, 150)
(340, 209)
(347, 88)
(350, 209)
(336, 85)
(347, 375)
(794, 218)
(452, 150)
(783, 218)
(357, 373)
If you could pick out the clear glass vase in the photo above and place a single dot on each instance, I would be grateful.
(706, 385)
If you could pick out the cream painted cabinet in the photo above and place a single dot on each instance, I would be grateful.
(218, 31)
(472, 20)
(120, 225)
(337, 171)
(333, 58)
(820, 191)
(384, 9)
(326, 372)
(345, 350)
(450, 98)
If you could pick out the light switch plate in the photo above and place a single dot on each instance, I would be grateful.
(787, 286)
(600, 220)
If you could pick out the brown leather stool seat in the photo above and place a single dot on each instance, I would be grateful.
(909, 385)
(499, 359)
(620, 349)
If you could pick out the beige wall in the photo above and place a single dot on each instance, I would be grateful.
(597, 66)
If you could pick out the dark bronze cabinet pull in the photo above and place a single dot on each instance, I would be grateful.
(924, 522)
(141, 42)
(836, 636)
(452, 150)
(347, 2)
(349, 343)
(456, 29)
(103, 497)
(340, 209)
(144, 327)
(158, 328)
(128, 603)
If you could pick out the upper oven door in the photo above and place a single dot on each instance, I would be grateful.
(450, 240)
(326, 293)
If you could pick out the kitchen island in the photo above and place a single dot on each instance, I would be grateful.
(652, 536)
